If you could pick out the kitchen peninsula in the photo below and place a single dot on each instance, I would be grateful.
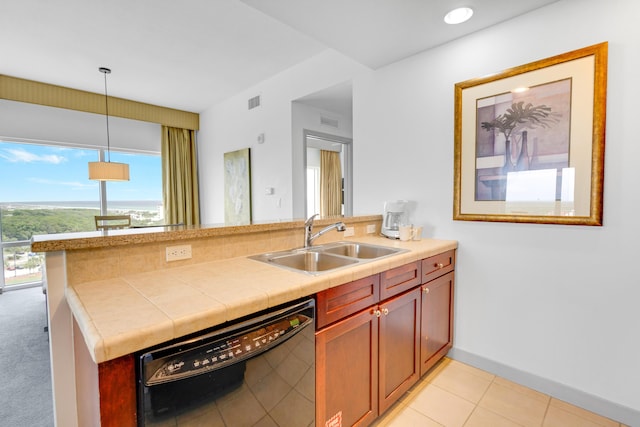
(113, 293)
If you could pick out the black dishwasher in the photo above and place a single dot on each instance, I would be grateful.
(259, 370)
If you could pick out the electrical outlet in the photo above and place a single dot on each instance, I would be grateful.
(176, 253)
(371, 228)
(349, 231)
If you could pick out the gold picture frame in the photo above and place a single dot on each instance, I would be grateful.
(529, 142)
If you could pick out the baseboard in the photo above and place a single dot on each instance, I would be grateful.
(568, 394)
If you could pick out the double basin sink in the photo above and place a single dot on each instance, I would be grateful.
(328, 257)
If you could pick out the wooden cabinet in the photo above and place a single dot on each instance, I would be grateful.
(367, 361)
(398, 344)
(369, 358)
(347, 371)
(436, 328)
(378, 335)
(117, 390)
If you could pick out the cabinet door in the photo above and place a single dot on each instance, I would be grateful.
(347, 371)
(399, 345)
(437, 321)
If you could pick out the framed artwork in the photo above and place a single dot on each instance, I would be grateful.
(237, 187)
(529, 142)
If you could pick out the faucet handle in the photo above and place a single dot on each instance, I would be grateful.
(309, 221)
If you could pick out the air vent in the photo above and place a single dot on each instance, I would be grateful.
(329, 122)
(254, 102)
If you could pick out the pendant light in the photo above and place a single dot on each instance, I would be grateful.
(108, 171)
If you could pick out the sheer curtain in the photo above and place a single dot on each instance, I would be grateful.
(330, 183)
(180, 176)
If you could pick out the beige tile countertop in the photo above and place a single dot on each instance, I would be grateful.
(122, 315)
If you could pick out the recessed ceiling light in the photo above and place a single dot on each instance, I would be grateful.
(458, 16)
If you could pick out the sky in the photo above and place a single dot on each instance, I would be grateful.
(32, 173)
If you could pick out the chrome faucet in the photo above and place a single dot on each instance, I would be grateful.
(309, 237)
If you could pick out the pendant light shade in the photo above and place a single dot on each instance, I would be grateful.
(108, 171)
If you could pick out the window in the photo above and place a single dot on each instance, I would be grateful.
(44, 189)
(141, 197)
(313, 190)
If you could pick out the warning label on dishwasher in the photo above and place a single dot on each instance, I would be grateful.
(335, 421)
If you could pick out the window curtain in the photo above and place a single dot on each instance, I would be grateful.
(330, 183)
(180, 176)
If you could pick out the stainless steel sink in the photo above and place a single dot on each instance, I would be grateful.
(305, 260)
(358, 250)
(323, 258)
(312, 261)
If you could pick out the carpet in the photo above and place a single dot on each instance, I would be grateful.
(25, 374)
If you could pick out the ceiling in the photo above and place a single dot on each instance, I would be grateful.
(193, 54)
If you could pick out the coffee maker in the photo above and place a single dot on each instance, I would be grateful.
(395, 215)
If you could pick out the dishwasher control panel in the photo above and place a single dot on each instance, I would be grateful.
(222, 352)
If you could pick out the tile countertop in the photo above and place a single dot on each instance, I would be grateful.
(130, 313)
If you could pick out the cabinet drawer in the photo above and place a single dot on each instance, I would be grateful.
(336, 303)
(438, 265)
(399, 279)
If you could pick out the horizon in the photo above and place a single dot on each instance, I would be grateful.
(114, 205)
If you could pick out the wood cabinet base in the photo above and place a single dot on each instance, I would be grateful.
(117, 379)
(367, 361)
(378, 335)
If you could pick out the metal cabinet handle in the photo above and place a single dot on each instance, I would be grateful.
(426, 290)
(385, 311)
(377, 313)
(439, 265)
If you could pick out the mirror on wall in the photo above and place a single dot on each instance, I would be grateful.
(322, 128)
(329, 174)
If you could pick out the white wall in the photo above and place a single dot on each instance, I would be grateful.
(230, 126)
(557, 302)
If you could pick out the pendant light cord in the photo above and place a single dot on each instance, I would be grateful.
(106, 71)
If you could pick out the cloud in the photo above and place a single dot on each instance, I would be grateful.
(22, 156)
(74, 185)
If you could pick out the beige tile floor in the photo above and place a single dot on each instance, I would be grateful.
(454, 394)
